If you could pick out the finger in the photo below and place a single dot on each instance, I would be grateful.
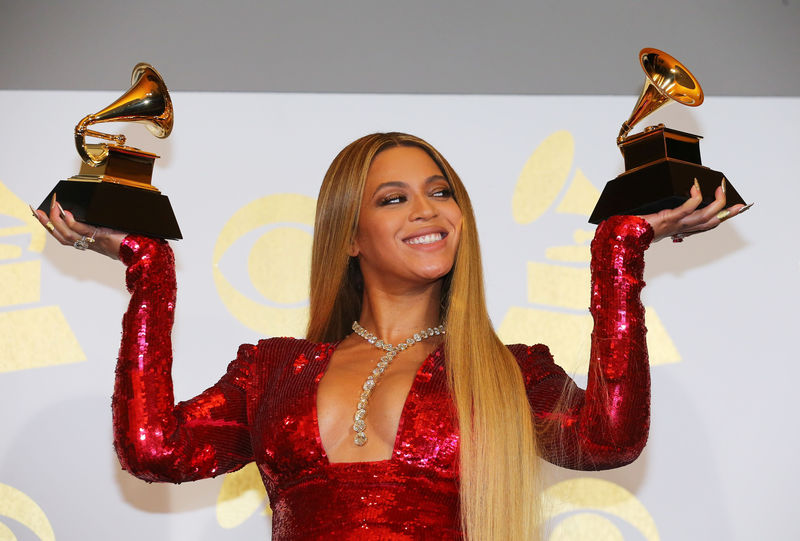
(710, 216)
(736, 210)
(731, 212)
(723, 216)
(682, 218)
(44, 219)
(72, 223)
(61, 229)
(66, 225)
(41, 217)
(715, 210)
(669, 221)
(672, 221)
(691, 204)
(720, 217)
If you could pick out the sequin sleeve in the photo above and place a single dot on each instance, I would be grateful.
(606, 425)
(155, 439)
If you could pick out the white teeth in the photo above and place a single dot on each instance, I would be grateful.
(426, 239)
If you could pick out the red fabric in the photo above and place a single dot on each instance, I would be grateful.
(264, 408)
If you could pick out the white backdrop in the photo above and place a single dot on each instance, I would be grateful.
(722, 457)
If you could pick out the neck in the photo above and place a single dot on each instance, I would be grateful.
(394, 316)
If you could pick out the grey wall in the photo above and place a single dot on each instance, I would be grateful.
(735, 47)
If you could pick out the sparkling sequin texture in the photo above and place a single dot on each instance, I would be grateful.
(264, 409)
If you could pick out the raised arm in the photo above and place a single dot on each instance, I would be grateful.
(155, 439)
(606, 425)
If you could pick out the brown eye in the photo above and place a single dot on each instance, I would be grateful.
(444, 193)
(392, 199)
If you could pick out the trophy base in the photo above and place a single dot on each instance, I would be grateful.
(660, 185)
(117, 206)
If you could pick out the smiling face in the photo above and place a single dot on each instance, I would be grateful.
(409, 224)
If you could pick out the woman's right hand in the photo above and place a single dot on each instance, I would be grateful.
(66, 230)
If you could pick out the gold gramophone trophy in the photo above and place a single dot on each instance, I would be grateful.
(660, 163)
(113, 187)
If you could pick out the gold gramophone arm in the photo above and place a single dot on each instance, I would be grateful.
(623, 132)
(82, 131)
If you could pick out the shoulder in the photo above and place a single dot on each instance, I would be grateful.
(272, 356)
(275, 353)
(286, 346)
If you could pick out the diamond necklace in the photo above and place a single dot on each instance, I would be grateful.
(360, 424)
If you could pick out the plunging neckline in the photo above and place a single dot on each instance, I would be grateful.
(400, 424)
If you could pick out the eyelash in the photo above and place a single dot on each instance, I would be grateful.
(393, 199)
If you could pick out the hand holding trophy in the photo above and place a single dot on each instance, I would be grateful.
(113, 189)
(661, 164)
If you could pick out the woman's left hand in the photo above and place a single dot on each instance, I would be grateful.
(687, 219)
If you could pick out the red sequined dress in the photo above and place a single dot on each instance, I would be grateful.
(264, 408)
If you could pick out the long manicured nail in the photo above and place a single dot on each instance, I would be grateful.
(53, 201)
(697, 187)
(33, 212)
(61, 211)
(723, 184)
(745, 208)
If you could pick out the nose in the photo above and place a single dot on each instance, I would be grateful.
(422, 209)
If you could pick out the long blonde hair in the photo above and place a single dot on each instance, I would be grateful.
(499, 489)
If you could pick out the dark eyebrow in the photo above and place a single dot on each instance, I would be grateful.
(401, 184)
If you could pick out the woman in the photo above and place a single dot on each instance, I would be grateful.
(440, 442)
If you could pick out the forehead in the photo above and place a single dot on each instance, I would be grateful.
(401, 163)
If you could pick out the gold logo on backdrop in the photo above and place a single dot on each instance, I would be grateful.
(30, 336)
(278, 263)
(242, 494)
(16, 505)
(582, 508)
(560, 291)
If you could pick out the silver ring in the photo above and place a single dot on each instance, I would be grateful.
(82, 243)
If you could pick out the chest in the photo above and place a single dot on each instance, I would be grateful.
(340, 392)
(417, 409)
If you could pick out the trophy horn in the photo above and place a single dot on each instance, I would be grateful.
(667, 80)
(147, 102)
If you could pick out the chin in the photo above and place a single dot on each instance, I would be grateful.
(433, 275)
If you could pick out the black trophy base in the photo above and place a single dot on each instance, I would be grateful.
(662, 184)
(105, 204)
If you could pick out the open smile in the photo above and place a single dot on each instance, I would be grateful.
(428, 238)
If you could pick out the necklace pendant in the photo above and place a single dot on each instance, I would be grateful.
(359, 424)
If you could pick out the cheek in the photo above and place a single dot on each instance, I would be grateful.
(371, 238)
(364, 232)
(458, 222)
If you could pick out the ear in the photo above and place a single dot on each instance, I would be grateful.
(353, 250)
